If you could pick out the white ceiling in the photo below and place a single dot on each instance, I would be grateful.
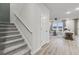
(59, 10)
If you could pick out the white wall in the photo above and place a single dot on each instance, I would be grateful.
(31, 15)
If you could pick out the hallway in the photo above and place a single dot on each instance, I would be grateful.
(44, 28)
(61, 46)
(44, 21)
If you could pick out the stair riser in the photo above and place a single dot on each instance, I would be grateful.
(5, 30)
(7, 26)
(7, 34)
(6, 23)
(1, 52)
(10, 38)
(2, 47)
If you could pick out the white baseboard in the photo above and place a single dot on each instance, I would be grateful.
(33, 53)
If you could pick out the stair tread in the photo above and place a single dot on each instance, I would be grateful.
(6, 50)
(7, 25)
(8, 28)
(10, 36)
(22, 52)
(11, 41)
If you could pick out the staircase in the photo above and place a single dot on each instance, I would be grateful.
(11, 41)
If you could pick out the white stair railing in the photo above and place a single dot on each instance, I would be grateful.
(26, 33)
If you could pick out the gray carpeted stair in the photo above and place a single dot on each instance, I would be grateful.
(11, 41)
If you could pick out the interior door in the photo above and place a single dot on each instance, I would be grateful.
(44, 29)
(78, 27)
(4, 12)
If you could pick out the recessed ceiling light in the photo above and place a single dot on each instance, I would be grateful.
(68, 12)
(77, 8)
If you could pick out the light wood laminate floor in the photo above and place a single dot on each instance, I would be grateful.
(60, 46)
